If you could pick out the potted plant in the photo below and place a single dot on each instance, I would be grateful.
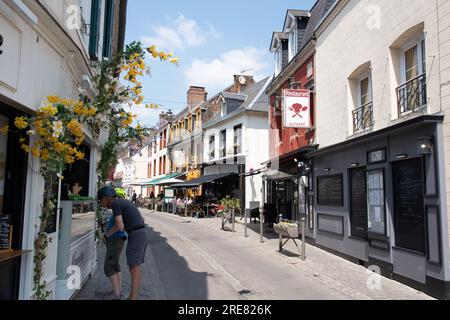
(287, 229)
(229, 205)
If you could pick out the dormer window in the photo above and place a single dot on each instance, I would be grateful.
(278, 61)
(293, 43)
(223, 108)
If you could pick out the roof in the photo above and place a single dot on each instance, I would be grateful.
(234, 96)
(318, 11)
(296, 14)
(256, 100)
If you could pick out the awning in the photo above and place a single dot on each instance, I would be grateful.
(277, 175)
(168, 182)
(203, 180)
(162, 179)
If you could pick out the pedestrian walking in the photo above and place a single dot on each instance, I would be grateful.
(127, 217)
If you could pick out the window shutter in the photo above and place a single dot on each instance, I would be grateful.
(95, 30)
(109, 26)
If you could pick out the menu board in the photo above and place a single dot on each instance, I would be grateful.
(409, 216)
(358, 198)
(376, 203)
(5, 233)
(330, 191)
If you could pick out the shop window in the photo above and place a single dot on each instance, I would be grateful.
(376, 202)
(358, 202)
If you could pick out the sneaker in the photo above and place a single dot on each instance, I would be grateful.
(112, 296)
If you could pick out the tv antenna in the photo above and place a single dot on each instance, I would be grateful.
(244, 71)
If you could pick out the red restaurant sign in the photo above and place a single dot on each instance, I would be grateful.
(296, 109)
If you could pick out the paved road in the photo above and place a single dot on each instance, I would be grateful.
(192, 259)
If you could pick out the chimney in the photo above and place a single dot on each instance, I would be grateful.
(196, 95)
(241, 82)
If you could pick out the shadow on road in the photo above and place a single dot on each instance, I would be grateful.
(165, 275)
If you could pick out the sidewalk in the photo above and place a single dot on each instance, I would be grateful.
(329, 269)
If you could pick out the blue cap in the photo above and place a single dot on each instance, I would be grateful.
(106, 192)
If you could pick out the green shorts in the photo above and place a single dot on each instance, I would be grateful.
(114, 248)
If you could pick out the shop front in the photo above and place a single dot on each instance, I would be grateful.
(289, 187)
(13, 172)
(379, 200)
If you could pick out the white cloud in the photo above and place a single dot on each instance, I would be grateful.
(216, 74)
(181, 33)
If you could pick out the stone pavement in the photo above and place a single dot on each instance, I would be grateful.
(327, 268)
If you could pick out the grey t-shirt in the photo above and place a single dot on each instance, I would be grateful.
(131, 215)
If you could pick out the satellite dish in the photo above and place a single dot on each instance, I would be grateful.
(242, 80)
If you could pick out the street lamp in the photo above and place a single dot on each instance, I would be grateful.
(425, 145)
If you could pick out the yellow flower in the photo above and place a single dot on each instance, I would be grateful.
(21, 123)
(79, 141)
(4, 130)
(75, 128)
(21, 140)
(48, 110)
(53, 99)
(69, 159)
(25, 147)
(152, 49)
(45, 154)
(35, 152)
(80, 155)
(175, 60)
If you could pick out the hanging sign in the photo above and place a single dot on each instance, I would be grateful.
(297, 109)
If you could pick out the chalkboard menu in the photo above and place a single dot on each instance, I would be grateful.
(330, 191)
(409, 216)
(5, 233)
(358, 198)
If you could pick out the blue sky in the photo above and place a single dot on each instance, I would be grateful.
(213, 40)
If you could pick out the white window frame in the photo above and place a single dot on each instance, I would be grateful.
(278, 59)
(365, 75)
(293, 41)
(419, 42)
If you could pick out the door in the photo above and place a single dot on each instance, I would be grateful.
(409, 212)
(358, 203)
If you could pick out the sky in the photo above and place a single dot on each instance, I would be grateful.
(213, 40)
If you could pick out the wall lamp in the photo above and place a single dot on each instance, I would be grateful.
(425, 145)
(355, 164)
(402, 156)
(327, 170)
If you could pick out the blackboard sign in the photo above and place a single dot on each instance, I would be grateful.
(409, 216)
(358, 202)
(330, 191)
(5, 233)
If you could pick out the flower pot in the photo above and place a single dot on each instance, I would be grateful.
(286, 231)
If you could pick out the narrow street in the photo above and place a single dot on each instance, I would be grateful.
(192, 259)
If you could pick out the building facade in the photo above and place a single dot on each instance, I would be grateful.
(380, 174)
(44, 52)
(288, 178)
(229, 135)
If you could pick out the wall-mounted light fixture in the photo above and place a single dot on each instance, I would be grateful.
(402, 156)
(355, 164)
(327, 170)
(425, 145)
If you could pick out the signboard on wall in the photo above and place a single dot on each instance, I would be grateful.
(297, 109)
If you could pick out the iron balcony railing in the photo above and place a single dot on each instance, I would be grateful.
(363, 117)
(412, 95)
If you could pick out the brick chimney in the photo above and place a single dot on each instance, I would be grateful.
(196, 95)
(238, 87)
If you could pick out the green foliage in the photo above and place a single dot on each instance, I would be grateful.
(230, 203)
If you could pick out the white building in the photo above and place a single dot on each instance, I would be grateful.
(45, 49)
(236, 140)
(383, 97)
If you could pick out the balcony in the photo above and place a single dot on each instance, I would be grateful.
(412, 96)
(363, 118)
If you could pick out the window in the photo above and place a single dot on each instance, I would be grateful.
(363, 113)
(278, 60)
(412, 93)
(238, 139)
(194, 121)
(375, 202)
(223, 143)
(310, 70)
(149, 171)
(94, 39)
(212, 151)
(223, 109)
(154, 168)
(293, 42)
